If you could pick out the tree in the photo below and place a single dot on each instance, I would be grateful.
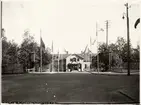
(27, 47)
(94, 62)
(104, 56)
(12, 53)
(46, 57)
(135, 54)
(5, 57)
(123, 48)
(118, 52)
(9, 53)
(117, 49)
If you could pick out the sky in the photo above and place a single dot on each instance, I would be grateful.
(70, 23)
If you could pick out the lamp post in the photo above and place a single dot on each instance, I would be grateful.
(128, 39)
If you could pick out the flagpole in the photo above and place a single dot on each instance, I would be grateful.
(40, 53)
(90, 52)
(34, 60)
(60, 63)
(52, 58)
(97, 49)
(58, 60)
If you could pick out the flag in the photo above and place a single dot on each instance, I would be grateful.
(85, 49)
(101, 29)
(42, 43)
(137, 22)
(89, 51)
(94, 42)
(42, 48)
(49, 49)
(3, 31)
(52, 47)
(66, 51)
(58, 55)
(90, 41)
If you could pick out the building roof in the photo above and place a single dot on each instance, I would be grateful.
(79, 55)
(62, 56)
(86, 56)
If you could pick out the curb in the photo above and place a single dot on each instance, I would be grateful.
(112, 73)
(121, 92)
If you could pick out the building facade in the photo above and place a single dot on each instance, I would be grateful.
(80, 62)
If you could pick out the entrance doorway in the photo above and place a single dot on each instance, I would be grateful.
(76, 66)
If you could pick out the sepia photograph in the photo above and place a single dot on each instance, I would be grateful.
(70, 51)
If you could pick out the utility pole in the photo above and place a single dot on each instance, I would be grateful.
(97, 48)
(1, 39)
(107, 26)
(128, 39)
(109, 58)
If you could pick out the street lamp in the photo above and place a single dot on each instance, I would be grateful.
(98, 45)
(128, 38)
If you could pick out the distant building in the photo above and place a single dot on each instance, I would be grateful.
(81, 61)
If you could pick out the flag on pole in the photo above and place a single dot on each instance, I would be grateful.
(94, 42)
(42, 43)
(137, 22)
(90, 49)
(42, 46)
(65, 51)
(85, 49)
(90, 40)
(101, 29)
(2, 32)
(58, 55)
(52, 47)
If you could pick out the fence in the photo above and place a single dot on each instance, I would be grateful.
(134, 67)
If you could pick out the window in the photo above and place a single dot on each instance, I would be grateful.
(77, 59)
(71, 60)
(74, 59)
(85, 66)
